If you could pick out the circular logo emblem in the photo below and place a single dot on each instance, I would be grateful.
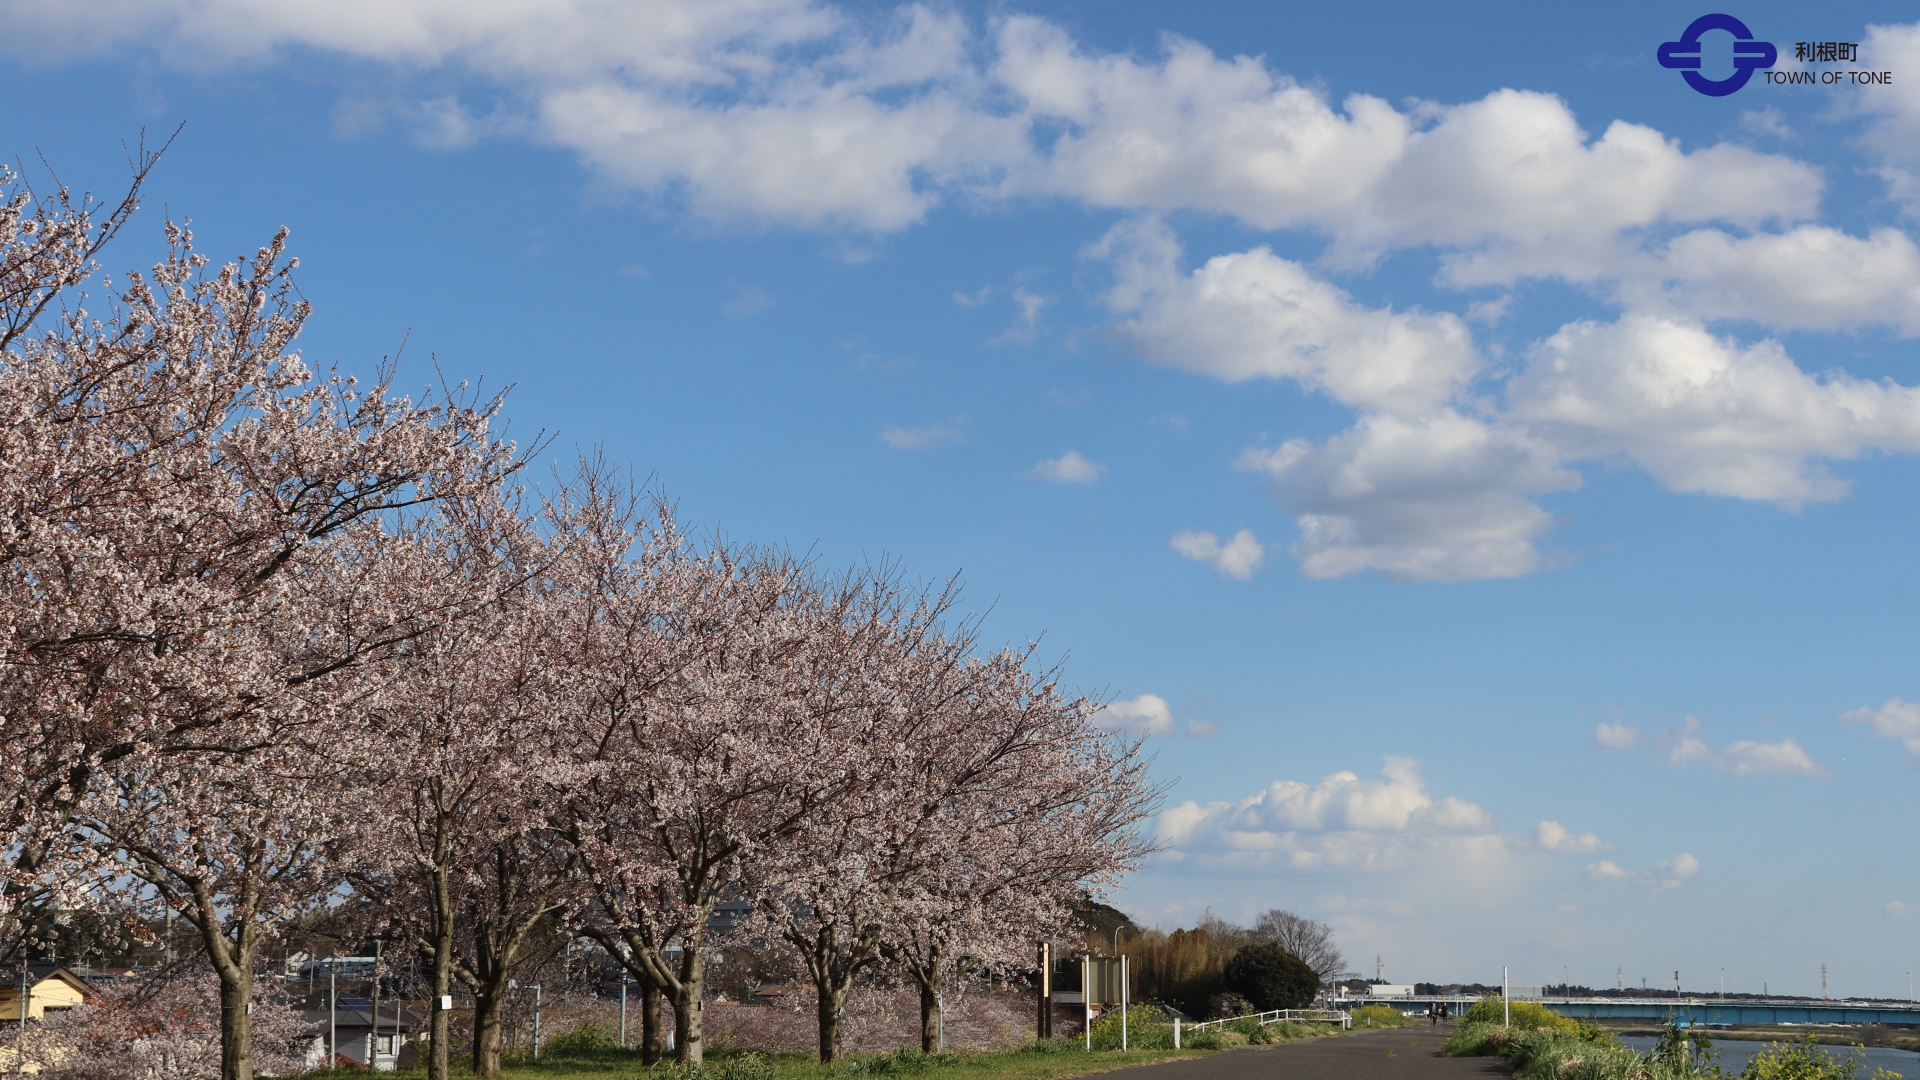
(1748, 55)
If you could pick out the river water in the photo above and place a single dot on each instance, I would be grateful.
(1735, 1052)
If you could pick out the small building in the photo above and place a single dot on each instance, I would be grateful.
(362, 1037)
(49, 990)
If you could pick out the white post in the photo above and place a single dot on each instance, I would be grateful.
(333, 1014)
(1176, 1033)
(536, 1021)
(1506, 1003)
(1123, 999)
(1086, 998)
(940, 1002)
(623, 1008)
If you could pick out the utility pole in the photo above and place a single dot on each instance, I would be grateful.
(1506, 1003)
(1376, 968)
(1723, 984)
(536, 1021)
(1620, 977)
(333, 1014)
(623, 1008)
(1823, 983)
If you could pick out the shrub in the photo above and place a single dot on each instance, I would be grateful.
(587, 1039)
(907, 1061)
(1271, 977)
(1379, 1016)
(1803, 1059)
(1146, 1030)
(1060, 1044)
(1527, 1015)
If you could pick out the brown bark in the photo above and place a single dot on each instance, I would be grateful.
(439, 1036)
(833, 1006)
(652, 1039)
(929, 1019)
(489, 1006)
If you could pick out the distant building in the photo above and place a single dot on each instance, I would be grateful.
(363, 1038)
(49, 990)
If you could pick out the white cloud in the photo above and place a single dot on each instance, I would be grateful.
(1894, 109)
(1896, 719)
(824, 116)
(1616, 736)
(953, 431)
(1748, 757)
(1149, 714)
(1237, 558)
(1701, 414)
(1438, 498)
(1554, 836)
(1068, 468)
(1254, 314)
(1668, 874)
(1811, 277)
(1341, 821)
(1898, 909)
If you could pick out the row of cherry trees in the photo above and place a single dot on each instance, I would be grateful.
(280, 645)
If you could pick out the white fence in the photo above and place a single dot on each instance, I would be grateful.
(1276, 1016)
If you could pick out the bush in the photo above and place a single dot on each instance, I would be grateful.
(587, 1039)
(1379, 1016)
(1146, 1030)
(1527, 1015)
(1803, 1059)
(1271, 977)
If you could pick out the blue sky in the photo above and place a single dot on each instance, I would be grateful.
(1483, 464)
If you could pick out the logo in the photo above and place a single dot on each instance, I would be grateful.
(1748, 55)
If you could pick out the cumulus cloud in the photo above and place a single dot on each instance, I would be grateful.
(1148, 714)
(1898, 909)
(1703, 414)
(1669, 874)
(1896, 719)
(1554, 836)
(1068, 468)
(1443, 497)
(1683, 747)
(1341, 821)
(1616, 736)
(1237, 558)
(820, 115)
(1811, 277)
(1253, 314)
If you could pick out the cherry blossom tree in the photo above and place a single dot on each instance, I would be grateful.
(1024, 806)
(194, 532)
(708, 751)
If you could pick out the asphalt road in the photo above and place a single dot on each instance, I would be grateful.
(1398, 1054)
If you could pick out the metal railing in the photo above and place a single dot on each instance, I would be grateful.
(1276, 1016)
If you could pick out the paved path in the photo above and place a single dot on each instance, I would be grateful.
(1399, 1054)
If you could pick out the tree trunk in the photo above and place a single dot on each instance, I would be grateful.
(929, 1018)
(233, 962)
(651, 1038)
(689, 1049)
(236, 1033)
(441, 1038)
(833, 1006)
(489, 1003)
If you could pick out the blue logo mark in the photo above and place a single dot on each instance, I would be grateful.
(1748, 55)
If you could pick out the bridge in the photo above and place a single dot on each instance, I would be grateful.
(1689, 1011)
